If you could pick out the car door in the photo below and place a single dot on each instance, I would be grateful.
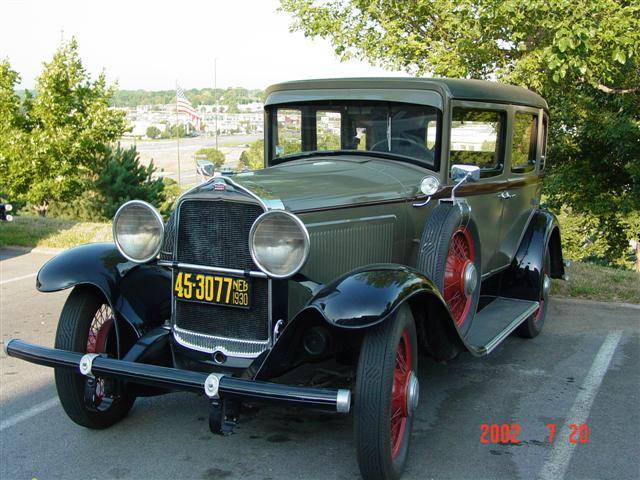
(522, 195)
(478, 137)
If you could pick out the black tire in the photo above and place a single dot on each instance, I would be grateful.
(533, 325)
(374, 384)
(445, 221)
(72, 334)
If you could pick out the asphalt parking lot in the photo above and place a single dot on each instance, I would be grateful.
(583, 369)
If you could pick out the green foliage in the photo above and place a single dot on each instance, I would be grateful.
(229, 97)
(60, 138)
(214, 155)
(123, 178)
(171, 193)
(581, 56)
(153, 132)
(253, 157)
(175, 130)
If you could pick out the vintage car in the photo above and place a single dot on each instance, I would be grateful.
(394, 218)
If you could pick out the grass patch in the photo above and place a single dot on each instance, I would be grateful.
(596, 282)
(33, 231)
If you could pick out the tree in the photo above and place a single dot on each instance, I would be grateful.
(65, 136)
(214, 155)
(581, 56)
(153, 132)
(124, 178)
(253, 157)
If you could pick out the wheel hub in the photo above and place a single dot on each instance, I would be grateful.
(469, 278)
(413, 392)
(546, 286)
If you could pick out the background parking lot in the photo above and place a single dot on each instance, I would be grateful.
(583, 368)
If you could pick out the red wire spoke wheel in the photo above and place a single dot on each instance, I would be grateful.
(532, 326)
(87, 325)
(460, 258)
(401, 377)
(450, 256)
(386, 396)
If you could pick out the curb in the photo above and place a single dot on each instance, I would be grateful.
(599, 303)
(48, 251)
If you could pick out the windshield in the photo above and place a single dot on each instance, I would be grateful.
(395, 129)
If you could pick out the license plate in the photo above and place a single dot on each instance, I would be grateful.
(211, 288)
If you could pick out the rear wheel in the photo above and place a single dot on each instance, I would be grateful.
(87, 326)
(532, 326)
(387, 394)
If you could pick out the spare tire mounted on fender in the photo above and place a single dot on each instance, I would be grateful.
(450, 256)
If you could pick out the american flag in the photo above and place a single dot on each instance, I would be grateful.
(184, 106)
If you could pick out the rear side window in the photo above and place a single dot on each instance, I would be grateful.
(525, 137)
(477, 139)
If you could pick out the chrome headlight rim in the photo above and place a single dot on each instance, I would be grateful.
(158, 217)
(306, 250)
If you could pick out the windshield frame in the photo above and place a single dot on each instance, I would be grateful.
(272, 125)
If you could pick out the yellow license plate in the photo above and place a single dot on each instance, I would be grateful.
(211, 288)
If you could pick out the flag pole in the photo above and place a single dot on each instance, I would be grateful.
(178, 136)
(215, 93)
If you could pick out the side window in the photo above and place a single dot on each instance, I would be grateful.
(289, 139)
(543, 153)
(328, 130)
(525, 138)
(477, 139)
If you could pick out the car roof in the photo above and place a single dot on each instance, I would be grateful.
(452, 88)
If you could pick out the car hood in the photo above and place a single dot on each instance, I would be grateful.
(329, 182)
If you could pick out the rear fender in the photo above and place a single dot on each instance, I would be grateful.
(358, 301)
(139, 295)
(523, 277)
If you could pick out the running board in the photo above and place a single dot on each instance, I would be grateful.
(496, 321)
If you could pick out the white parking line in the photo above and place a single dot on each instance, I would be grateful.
(558, 460)
(27, 414)
(15, 279)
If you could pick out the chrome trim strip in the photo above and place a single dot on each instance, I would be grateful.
(232, 271)
(512, 326)
(256, 347)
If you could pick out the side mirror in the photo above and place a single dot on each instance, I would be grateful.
(461, 173)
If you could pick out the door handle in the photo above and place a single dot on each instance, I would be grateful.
(507, 195)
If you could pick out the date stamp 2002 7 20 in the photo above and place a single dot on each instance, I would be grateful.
(509, 432)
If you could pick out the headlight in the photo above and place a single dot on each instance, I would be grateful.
(279, 243)
(138, 231)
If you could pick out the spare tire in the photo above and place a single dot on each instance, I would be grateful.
(449, 255)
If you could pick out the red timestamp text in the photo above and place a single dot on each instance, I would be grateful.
(506, 433)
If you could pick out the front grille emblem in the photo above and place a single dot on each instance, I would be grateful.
(219, 186)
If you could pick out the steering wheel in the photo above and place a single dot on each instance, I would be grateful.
(411, 143)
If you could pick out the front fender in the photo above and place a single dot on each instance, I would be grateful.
(367, 296)
(139, 294)
(359, 300)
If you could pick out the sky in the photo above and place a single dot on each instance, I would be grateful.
(152, 44)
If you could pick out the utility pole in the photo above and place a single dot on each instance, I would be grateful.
(215, 92)
(178, 136)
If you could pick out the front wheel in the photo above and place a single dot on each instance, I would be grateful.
(87, 326)
(387, 394)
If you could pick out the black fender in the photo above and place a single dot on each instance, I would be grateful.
(357, 301)
(139, 295)
(523, 277)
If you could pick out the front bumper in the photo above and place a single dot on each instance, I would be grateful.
(214, 386)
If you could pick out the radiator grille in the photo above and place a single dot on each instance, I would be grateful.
(216, 233)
